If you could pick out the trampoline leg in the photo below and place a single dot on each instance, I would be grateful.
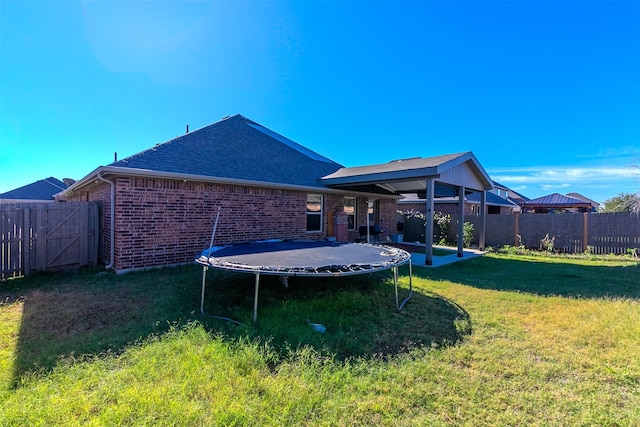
(395, 284)
(204, 282)
(255, 299)
(395, 278)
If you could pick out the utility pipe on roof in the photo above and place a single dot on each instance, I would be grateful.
(113, 219)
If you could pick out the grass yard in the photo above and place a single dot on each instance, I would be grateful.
(495, 340)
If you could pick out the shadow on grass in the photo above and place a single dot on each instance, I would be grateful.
(358, 313)
(67, 316)
(538, 276)
(72, 315)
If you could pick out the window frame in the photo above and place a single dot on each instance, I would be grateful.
(310, 213)
(354, 215)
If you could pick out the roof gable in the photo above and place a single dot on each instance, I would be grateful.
(410, 175)
(235, 148)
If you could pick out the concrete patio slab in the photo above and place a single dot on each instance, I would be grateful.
(418, 259)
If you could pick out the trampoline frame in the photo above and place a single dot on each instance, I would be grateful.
(326, 271)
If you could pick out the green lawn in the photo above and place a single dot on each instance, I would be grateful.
(495, 340)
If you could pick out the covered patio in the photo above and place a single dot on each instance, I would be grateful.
(432, 177)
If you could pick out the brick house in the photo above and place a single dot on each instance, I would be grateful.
(159, 205)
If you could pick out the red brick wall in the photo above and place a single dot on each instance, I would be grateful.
(333, 203)
(163, 222)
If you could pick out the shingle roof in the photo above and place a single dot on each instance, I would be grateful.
(586, 199)
(43, 189)
(236, 148)
(426, 164)
(410, 175)
(514, 196)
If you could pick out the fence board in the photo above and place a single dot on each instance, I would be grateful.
(613, 233)
(605, 233)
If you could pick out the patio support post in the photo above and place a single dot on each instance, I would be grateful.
(461, 221)
(483, 220)
(428, 232)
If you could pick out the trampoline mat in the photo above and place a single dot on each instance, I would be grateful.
(304, 257)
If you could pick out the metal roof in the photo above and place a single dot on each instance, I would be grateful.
(558, 200)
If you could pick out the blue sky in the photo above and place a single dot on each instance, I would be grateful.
(546, 94)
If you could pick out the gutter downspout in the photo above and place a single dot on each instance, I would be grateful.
(113, 219)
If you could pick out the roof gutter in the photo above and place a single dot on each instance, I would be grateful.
(113, 219)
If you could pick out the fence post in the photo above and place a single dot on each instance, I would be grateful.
(516, 229)
(585, 232)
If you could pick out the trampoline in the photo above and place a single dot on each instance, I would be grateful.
(303, 258)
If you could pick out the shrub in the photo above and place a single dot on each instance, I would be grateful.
(467, 232)
(442, 222)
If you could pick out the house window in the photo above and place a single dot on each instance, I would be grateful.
(371, 211)
(350, 210)
(314, 212)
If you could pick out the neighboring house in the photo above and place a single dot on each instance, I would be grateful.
(43, 190)
(510, 194)
(449, 205)
(595, 206)
(160, 205)
(556, 203)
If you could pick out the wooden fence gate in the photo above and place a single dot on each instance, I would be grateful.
(47, 237)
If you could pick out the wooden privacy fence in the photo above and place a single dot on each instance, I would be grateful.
(613, 233)
(47, 236)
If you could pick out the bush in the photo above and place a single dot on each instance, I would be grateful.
(467, 233)
(442, 222)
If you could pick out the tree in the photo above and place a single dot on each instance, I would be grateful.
(623, 202)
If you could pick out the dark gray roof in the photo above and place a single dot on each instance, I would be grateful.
(401, 169)
(556, 199)
(43, 189)
(236, 148)
(410, 175)
(514, 196)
